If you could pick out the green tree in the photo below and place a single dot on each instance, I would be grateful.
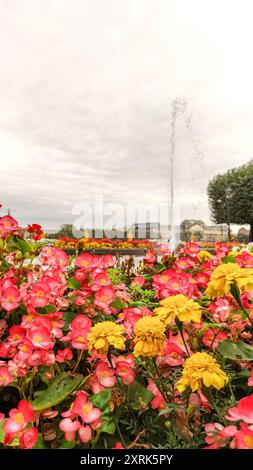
(66, 230)
(230, 196)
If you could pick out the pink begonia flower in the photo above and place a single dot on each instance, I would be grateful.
(105, 375)
(104, 297)
(250, 379)
(10, 299)
(28, 438)
(164, 248)
(138, 281)
(5, 377)
(19, 417)
(84, 261)
(243, 411)
(40, 337)
(85, 409)
(85, 433)
(40, 294)
(69, 428)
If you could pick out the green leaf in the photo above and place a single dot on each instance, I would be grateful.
(66, 444)
(59, 389)
(172, 407)
(138, 395)
(243, 373)
(47, 309)
(4, 266)
(21, 245)
(159, 267)
(229, 259)
(239, 350)
(45, 372)
(73, 284)
(102, 401)
(41, 444)
(118, 304)
(67, 318)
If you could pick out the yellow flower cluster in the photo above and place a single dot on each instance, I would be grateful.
(201, 369)
(92, 243)
(178, 306)
(105, 334)
(149, 337)
(204, 256)
(227, 274)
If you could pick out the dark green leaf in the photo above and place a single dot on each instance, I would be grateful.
(73, 284)
(67, 318)
(58, 390)
(138, 395)
(118, 304)
(159, 266)
(239, 350)
(21, 245)
(46, 309)
(229, 259)
(41, 444)
(102, 401)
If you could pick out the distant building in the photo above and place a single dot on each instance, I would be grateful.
(191, 229)
(216, 233)
(243, 235)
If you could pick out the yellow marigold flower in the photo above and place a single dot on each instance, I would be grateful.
(178, 306)
(226, 274)
(201, 369)
(204, 255)
(149, 337)
(234, 253)
(104, 334)
(221, 279)
(246, 279)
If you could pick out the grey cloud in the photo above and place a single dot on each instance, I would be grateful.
(85, 101)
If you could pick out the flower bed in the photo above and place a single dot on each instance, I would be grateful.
(94, 355)
(88, 244)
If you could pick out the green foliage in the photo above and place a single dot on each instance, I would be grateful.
(239, 350)
(109, 420)
(67, 318)
(58, 390)
(47, 309)
(138, 395)
(229, 259)
(73, 284)
(21, 245)
(41, 444)
(240, 180)
(159, 267)
(118, 304)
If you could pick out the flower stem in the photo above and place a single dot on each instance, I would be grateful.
(165, 394)
(180, 328)
(120, 435)
(236, 294)
(79, 357)
(209, 395)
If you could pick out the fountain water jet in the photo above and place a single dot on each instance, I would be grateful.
(178, 105)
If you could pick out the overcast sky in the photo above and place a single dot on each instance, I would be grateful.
(86, 88)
